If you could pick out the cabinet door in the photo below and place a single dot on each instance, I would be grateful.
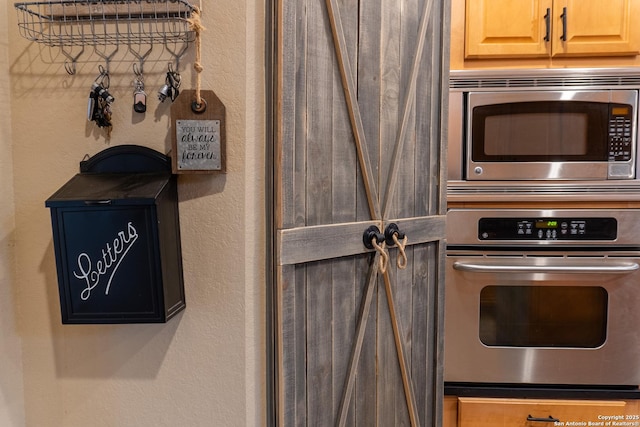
(360, 95)
(595, 27)
(507, 28)
(483, 412)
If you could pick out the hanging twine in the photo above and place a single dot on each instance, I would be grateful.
(401, 262)
(195, 24)
(384, 257)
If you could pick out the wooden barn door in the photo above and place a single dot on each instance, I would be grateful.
(359, 114)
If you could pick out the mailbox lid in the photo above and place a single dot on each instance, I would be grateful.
(110, 189)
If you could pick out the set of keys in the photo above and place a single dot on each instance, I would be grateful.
(100, 100)
(139, 95)
(171, 88)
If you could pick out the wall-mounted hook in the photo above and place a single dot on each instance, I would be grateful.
(103, 78)
(177, 54)
(142, 57)
(137, 70)
(70, 64)
(70, 67)
(107, 57)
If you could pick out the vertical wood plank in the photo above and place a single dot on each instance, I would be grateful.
(319, 344)
(369, 77)
(288, 353)
(389, 385)
(297, 308)
(441, 44)
(289, 374)
(298, 119)
(421, 309)
(298, 209)
(421, 304)
(366, 382)
(368, 71)
(404, 196)
(389, 378)
(285, 131)
(391, 65)
(344, 318)
(344, 193)
(320, 67)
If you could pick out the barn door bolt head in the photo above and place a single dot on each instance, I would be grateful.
(392, 230)
(373, 232)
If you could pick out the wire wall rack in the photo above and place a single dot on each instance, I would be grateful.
(71, 25)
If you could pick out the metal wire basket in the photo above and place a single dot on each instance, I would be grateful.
(105, 22)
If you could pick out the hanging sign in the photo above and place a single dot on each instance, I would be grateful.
(198, 137)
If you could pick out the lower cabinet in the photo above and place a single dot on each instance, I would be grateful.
(480, 412)
(450, 412)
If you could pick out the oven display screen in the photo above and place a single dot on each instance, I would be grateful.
(547, 223)
(547, 229)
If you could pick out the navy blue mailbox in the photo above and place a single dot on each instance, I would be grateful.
(116, 234)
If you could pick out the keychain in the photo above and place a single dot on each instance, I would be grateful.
(171, 88)
(100, 100)
(139, 95)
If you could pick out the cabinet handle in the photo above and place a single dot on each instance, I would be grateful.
(550, 419)
(547, 21)
(563, 37)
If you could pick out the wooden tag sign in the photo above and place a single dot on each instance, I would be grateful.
(198, 134)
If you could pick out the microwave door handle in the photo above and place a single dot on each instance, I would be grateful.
(613, 268)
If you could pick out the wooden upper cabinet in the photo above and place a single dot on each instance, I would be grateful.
(551, 28)
(595, 27)
(498, 28)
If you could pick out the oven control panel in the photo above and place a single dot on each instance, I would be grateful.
(547, 229)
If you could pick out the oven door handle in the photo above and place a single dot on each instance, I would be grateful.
(609, 268)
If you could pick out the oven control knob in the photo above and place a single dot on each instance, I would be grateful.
(478, 170)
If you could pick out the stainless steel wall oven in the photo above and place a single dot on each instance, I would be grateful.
(543, 296)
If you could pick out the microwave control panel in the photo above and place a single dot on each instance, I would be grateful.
(547, 229)
(620, 132)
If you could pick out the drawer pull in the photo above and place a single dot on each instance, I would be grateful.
(550, 419)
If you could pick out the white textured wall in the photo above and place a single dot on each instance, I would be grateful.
(206, 366)
(11, 386)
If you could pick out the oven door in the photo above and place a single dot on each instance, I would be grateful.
(542, 319)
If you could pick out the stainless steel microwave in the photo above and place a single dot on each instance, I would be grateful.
(587, 134)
